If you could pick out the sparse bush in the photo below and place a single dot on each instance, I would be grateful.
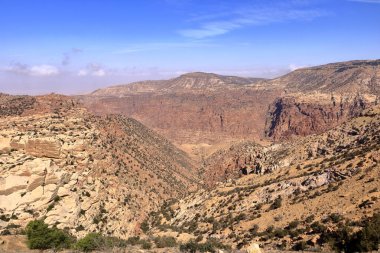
(294, 224)
(300, 246)
(309, 218)
(96, 241)
(165, 242)
(280, 233)
(335, 217)
(209, 246)
(277, 203)
(317, 227)
(134, 240)
(50, 207)
(146, 245)
(144, 226)
(365, 240)
(90, 242)
(368, 239)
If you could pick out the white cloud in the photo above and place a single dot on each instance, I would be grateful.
(92, 70)
(43, 70)
(37, 70)
(99, 72)
(82, 72)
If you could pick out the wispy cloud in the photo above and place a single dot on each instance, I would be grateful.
(133, 48)
(366, 1)
(37, 70)
(66, 59)
(224, 22)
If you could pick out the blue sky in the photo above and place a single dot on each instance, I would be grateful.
(76, 46)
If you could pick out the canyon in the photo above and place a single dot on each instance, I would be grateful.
(200, 112)
(198, 157)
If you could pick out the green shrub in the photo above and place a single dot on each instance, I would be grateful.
(50, 207)
(96, 241)
(146, 245)
(300, 246)
(277, 203)
(294, 224)
(134, 240)
(368, 239)
(209, 246)
(280, 233)
(165, 242)
(335, 218)
(365, 240)
(339, 240)
(40, 236)
(144, 226)
(190, 247)
(90, 242)
(318, 227)
(310, 218)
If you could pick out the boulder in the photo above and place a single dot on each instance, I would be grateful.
(253, 248)
(38, 147)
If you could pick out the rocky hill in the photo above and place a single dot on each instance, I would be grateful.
(342, 77)
(197, 81)
(82, 172)
(320, 183)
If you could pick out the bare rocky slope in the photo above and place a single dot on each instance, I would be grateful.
(341, 77)
(317, 184)
(82, 172)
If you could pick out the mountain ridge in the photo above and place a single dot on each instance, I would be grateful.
(186, 82)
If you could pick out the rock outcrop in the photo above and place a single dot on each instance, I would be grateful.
(14, 105)
(243, 158)
(302, 114)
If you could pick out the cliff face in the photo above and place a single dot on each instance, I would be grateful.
(310, 114)
(193, 117)
(85, 173)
